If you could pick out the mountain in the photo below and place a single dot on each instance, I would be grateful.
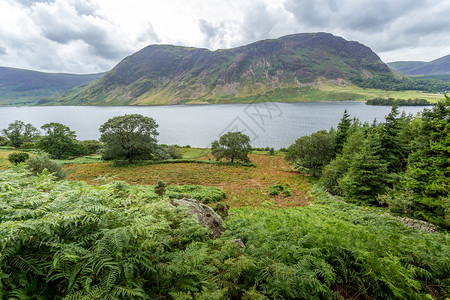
(289, 67)
(438, 66)
(25, 87)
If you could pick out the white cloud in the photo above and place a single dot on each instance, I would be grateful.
(83, 36)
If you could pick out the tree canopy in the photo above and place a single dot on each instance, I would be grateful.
(130, 137)
(19, 133)
(232, 146)
(59, 141)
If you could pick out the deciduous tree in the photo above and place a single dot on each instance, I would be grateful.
(130, 137)
(233, 146)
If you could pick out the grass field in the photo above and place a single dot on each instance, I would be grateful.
(244, 186)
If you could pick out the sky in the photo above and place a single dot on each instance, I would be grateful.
(90, 36)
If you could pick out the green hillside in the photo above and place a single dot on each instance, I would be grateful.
(290, 68)
(25, 87)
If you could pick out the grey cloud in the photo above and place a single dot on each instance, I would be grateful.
(28, 3)
(86, 8)
(214, 34)
(311, 13)
(258, 23)
(80, 24)
(149, 35)
(3, 50)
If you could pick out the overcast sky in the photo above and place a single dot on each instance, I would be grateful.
(88, 36)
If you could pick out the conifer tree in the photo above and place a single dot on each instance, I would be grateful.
(367, 176)
(341, 134)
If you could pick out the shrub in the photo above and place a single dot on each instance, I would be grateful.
(204, 194)
(160, 188)
(39, 163)
(174, 152)
(27, 145)
(277, 189)
(401, 203)
(18, 157)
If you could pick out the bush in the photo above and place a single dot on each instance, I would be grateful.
(277, 189)
(27, 145)
(204, 194)
(401, 203)
(174, 152)
(18, 157)
(39, 163)
(160, 188)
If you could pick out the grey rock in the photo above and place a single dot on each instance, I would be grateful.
(205, 215)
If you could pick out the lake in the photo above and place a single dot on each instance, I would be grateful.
(268, 124)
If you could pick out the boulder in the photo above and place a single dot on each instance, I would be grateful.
(205, 215)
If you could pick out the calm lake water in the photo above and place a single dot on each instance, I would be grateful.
(268, 124)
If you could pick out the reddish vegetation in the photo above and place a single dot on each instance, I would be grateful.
(244, 186)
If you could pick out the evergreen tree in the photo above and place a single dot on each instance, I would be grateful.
(367, 176)
(393, 148)
(341, 134)
(428, 169)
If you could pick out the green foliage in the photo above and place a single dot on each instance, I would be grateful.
(60, 142)
(399, 102)
(233, 146)
(272, 151)
(130, 137)
(340, 137)
(61, 239)
(4, 141)
(392, 83)
(92, 146)
(367, 176)
(311, 153)
(18, 157)
(403, 161)
(160, 188)
(18, 133)
(69, 240)
(174, 152)
(38, 163)
(428, 169)
(277, 189)
(203, 194)
(332, 247)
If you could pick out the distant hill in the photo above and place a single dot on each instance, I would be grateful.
(438, 66)
(289, 67)
(25, 87)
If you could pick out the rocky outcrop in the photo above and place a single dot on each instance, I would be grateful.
(205, 215)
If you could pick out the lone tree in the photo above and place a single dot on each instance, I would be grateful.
(18, 133)
(60, 142)
(232, 145)
(130, 137)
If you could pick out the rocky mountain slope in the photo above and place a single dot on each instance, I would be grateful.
(283, 67)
